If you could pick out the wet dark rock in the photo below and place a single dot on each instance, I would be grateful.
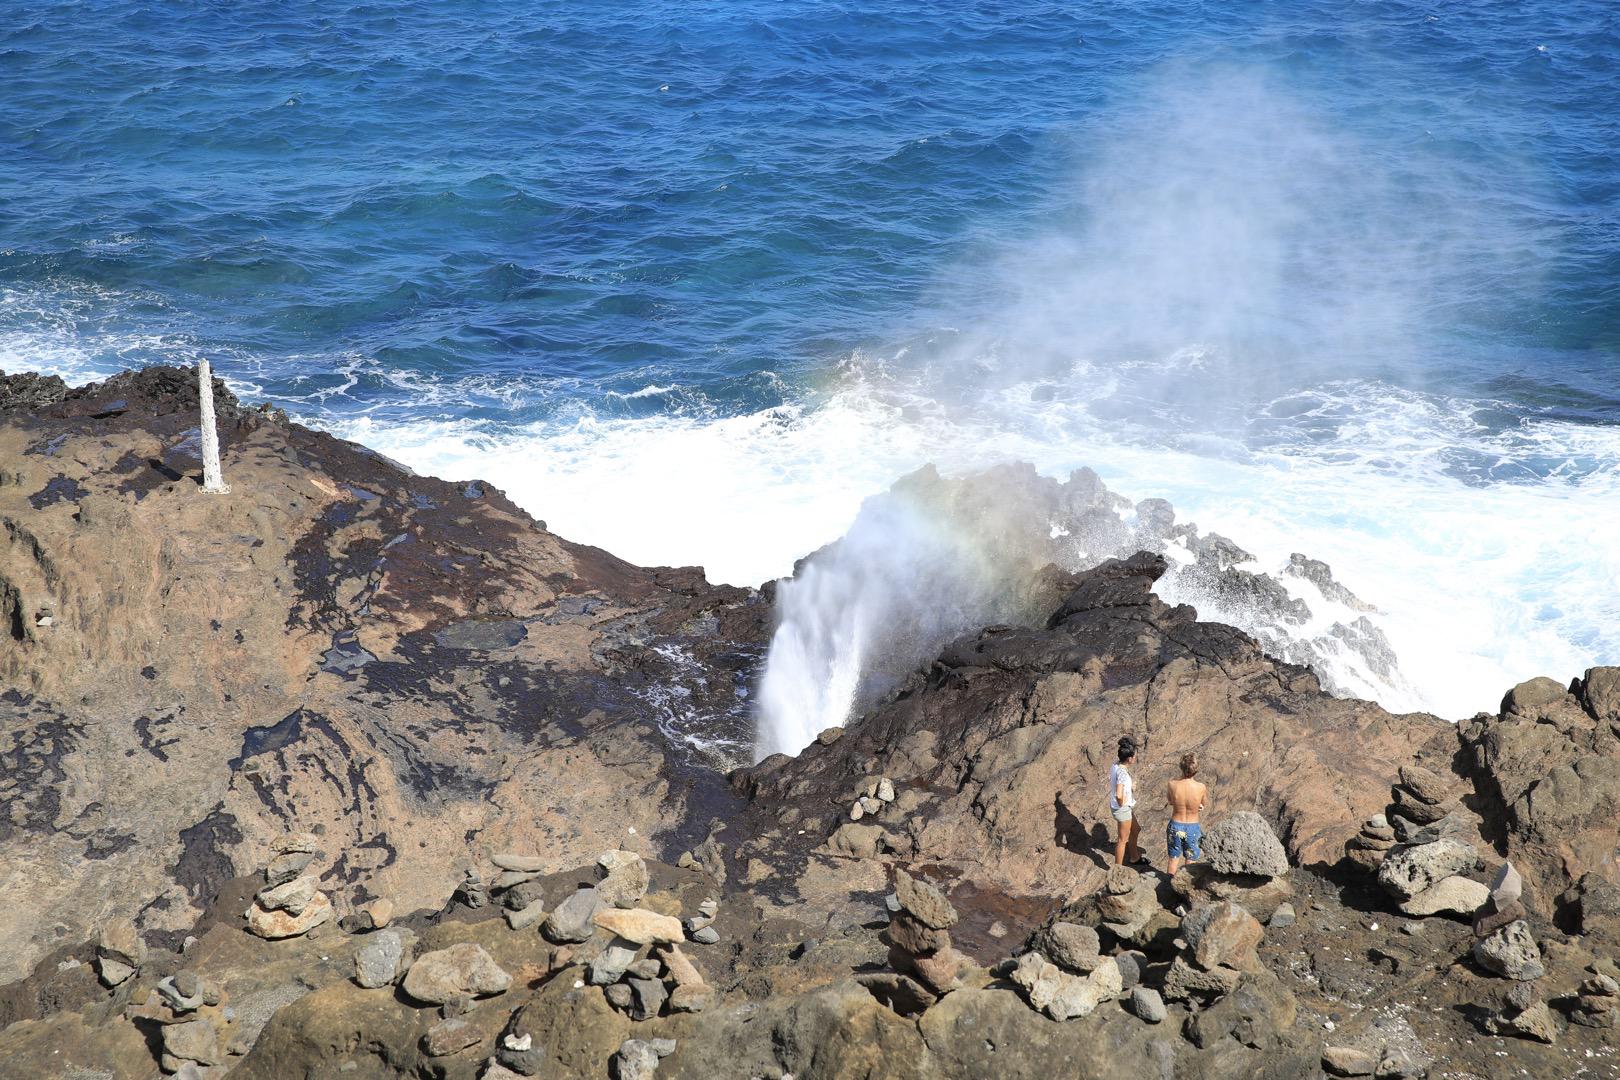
(480, 634)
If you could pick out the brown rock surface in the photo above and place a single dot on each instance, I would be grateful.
(338, 646)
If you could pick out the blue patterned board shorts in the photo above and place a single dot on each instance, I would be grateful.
(1184, 840)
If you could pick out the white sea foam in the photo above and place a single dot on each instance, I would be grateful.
(1480, 583)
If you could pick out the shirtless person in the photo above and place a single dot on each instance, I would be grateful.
(1188, 798)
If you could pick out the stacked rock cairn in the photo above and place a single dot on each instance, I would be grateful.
(920, 922)
(1066, 971)
(194, 1020)
(1423, 853)
(291, 903)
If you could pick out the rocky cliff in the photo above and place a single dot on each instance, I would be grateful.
(352, 772)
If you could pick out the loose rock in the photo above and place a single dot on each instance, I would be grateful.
(448, 1037)
(1348, 1061)
(527, 917)
(292, 896)
(640, 925)
(647, 997)
(1072, 946)
(571, 921)
(623, 878)
(925, 902)
(382, 959)
(638, 1059)
(1450, 896)
(1221, 935)
(1148, 1005)
(506, 860)
(1510, 952)
(462, 970)
(1408, 871)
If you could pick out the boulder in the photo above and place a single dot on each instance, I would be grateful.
(910, 934)
(571, 921)
(1071, 946)
(1256, 1014)
(1120, 880)
(1244, 843)
(1185, 982)
(1530, 697)
(462, 970)
(1039, 979)
(1128, 915)
(1592, 905)
(940, 971)
(859, 841)
(1449, 896)
(924, 901)
(1426, 785)
(450, 1037)
(640, 926)
(194, 1040)
(1063, 996)
(1201, 883)
(1511, 952)
(1408, 871)
(383, 958)
(1222, 935)
(1535, 1022)
(638, 1059)
(623, 878)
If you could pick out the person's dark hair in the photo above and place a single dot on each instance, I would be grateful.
(1127, 748)
(1189, 764)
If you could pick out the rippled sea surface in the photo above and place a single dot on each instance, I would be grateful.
(691, 280)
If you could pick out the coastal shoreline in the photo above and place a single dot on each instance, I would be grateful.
(418, 678)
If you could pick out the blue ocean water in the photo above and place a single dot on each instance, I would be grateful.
(691, 279)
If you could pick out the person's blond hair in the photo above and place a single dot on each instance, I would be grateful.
(1189, 764)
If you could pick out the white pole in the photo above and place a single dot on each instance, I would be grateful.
(213, 481)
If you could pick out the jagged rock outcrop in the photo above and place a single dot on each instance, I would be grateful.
(999, 751)
(1546, 778)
